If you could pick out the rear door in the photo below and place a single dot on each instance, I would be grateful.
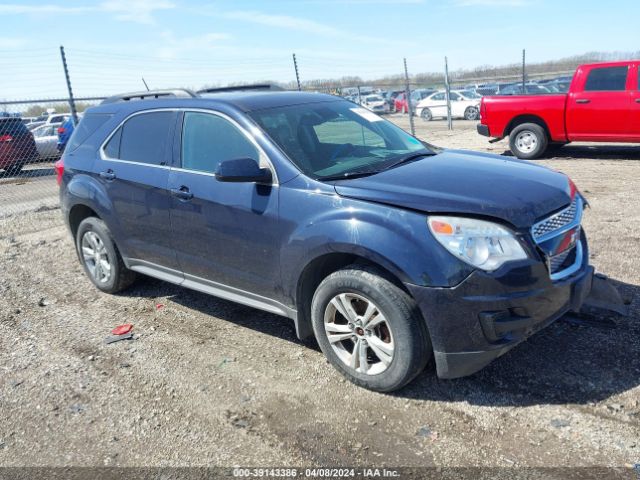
(599, 106)
(226, 234)
(634, 115)
(134, 169)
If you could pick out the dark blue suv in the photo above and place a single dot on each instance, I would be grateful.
(387, 250)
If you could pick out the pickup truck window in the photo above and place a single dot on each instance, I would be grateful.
(607, 79)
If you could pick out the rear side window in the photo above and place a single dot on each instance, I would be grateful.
(13, 126)
(142, 138)
(209, 139)
(88, 124)
(607, 79)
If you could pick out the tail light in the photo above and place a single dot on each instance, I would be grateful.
(6, 138)
(572, 189)
(59, 167)
(61, 130)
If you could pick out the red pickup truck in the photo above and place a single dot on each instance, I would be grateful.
(602, 105)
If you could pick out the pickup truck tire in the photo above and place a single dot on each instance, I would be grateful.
(370, 329)
(528, 141)
(100, 257)
(426, 114)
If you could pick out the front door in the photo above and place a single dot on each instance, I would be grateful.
(225, 233)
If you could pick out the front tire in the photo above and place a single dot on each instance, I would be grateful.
(370, 330)
(528, 141)
(100, 257)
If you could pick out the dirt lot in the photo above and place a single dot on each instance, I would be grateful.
(208, 382)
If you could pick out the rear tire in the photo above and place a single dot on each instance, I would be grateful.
(426, 114)
(528, 141)
(393, 336)
(100, 257)
(14, 169)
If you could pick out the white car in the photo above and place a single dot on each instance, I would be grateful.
(375, 103)
(464, 104)
(46, 137)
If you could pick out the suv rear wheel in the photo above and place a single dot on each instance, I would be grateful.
(370, 330)
(100, 258)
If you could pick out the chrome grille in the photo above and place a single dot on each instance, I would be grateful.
(562, 261)
(556, 221)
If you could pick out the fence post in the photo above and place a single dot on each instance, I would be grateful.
(295, 66)
(72, 103)
(407, 94)
(524, 71)
(359, 96)
(447, 89)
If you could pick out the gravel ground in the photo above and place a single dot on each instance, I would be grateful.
(209, 382)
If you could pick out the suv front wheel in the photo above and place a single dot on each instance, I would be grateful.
(370, 329)
(100, 258)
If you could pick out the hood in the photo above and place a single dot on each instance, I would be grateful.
(461, 182)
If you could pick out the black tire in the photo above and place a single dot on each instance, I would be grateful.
(426, 114)
(406, 328)
(471, 113)
(528, 141)
(120, 276)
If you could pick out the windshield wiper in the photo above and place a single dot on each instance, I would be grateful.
(348, 175)
(410, 157)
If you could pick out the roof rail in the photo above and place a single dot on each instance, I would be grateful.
(150, 94)
(239, 88)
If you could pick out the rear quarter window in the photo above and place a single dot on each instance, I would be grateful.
(85, 128)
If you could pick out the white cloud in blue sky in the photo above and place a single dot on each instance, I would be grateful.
(111, 43)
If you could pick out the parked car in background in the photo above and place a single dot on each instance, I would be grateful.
(46, 138)
(435, 105)
(375, 103)
(417, 95)
(390, 97)
(529, 89)
(17, 146)
(602, 105)
(35, 124)
(390, 252)
(65, 131)
(57, 118)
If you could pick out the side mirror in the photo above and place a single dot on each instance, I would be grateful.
(242, 170)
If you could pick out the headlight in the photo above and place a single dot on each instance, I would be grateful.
(485, 245)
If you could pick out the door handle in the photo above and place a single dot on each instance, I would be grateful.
(109, 175)
(583, 100)
(182, 193)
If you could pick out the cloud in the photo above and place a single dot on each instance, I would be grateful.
(289, 22)
(140, 11)
(176, 47)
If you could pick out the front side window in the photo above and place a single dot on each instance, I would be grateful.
(329, 139)
(607, 79)
(142, 138)
(439, 97)
(209, 139)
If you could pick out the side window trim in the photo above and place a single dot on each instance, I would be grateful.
(104, 156)
(263, 160)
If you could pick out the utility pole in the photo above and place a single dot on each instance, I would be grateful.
(524, 71)
(72, 103)
(295, 66)
(447, 89)
(407, 94)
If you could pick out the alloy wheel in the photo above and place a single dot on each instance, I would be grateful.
(95, 257)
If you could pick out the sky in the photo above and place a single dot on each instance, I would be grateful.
(112, 44)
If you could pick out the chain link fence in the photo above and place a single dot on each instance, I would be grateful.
(34, 132)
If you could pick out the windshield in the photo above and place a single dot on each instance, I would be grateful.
(374, 98)
(336, 138)
(470, 94)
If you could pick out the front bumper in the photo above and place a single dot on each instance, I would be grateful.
(486, 315)
(483, 130)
